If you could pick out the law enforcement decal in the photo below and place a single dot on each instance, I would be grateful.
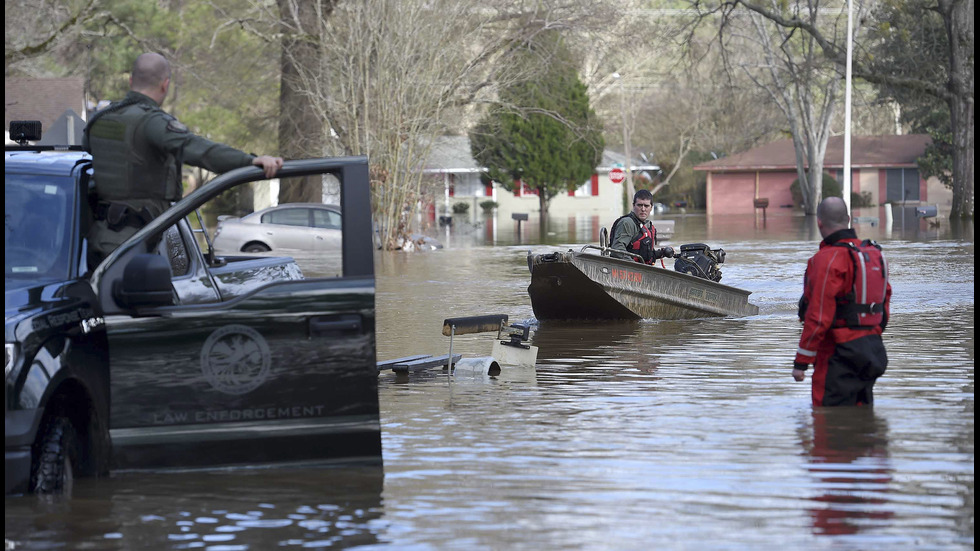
(235, 359)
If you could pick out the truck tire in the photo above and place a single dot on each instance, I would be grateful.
(57, 458)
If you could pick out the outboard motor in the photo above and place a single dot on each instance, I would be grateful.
(699, 260)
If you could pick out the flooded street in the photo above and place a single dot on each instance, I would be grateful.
(648, 435)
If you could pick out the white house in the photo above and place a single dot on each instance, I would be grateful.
(598, 197)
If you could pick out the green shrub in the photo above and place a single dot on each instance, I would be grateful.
(861, 200)
(461, 208)
(830, 188)
(488, 206)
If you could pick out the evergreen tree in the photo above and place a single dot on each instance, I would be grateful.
(543, 133)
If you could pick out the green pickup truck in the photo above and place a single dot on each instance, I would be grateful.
(165, 355)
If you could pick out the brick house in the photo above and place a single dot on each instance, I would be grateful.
(59, 103)
(883, 167)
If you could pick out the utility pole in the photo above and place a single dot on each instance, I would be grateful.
(626, 139)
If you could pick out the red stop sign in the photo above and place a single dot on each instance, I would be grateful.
(617, 175)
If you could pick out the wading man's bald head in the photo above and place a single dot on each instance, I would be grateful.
(151, 75)
(832, 216)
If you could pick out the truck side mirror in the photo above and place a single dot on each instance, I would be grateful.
(146, 282)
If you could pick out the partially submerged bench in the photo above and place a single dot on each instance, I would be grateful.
(419, 361)
(516, 336)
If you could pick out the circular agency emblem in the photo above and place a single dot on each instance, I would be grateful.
(235, 359)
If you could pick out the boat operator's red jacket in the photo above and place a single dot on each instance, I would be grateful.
(829, 277)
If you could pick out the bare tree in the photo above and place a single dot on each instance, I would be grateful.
(394, 75)
(301, 130)
(957, 90)
(32, 28)
(703, 108)
(795, 73)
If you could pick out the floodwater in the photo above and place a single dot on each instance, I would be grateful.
(649, 435)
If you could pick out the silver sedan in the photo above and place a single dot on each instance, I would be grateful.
(304, 226)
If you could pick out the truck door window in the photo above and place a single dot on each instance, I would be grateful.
(176, 251)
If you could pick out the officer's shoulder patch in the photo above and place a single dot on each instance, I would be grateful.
(174, 125)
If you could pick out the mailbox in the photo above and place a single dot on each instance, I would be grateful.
(761, 203)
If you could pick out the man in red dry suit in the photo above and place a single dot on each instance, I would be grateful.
(844, 310)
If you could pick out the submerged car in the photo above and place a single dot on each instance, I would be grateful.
(304, 226)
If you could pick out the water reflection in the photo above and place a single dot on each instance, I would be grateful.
(778, 225)
(256, 509)
(648, 435)
(850, 469)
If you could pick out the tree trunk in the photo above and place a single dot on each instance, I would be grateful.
(543, 203)
(300, 127)
(963, 184)
(806, 190)
(958, 16)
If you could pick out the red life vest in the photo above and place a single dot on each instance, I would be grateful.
(643, 242)
(864, 305)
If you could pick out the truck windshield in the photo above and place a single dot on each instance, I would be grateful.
(38, 223)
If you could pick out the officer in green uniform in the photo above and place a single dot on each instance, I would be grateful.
(138, 150)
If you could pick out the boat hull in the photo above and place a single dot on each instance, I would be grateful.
(581, 285)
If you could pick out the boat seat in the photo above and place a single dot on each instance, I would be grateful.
(473, 324)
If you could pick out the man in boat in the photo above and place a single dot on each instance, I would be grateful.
(635, 233)
(844, 310)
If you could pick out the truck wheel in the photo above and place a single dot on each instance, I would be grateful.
(256, 248)
(57, 458)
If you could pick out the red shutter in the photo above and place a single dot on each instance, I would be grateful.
(518, 187)
(595, 185)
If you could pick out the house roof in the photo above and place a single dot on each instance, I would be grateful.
(866, 152)
(452, 154)
(43, 99)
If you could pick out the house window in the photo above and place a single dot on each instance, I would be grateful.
(468, 184)
(902, 184)
(521, 189)
(589, 188)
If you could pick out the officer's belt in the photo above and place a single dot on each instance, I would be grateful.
(119, 215)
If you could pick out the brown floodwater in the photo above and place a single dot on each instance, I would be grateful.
(657, 434)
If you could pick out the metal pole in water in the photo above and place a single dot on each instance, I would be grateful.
(449, 372)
